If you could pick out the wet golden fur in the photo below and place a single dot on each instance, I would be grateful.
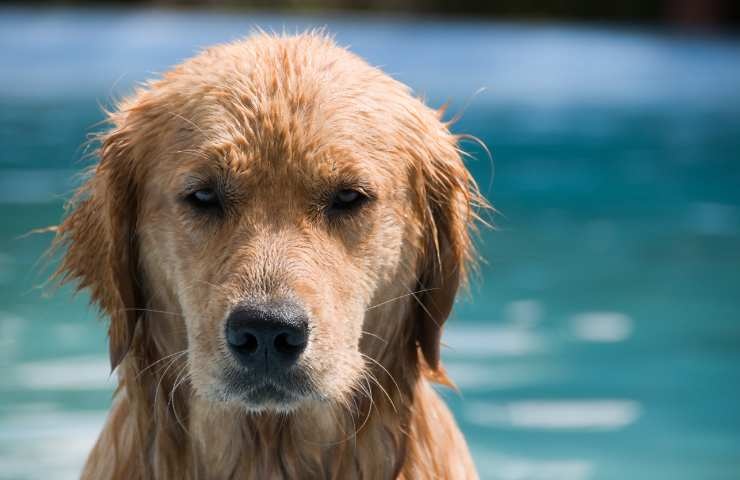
(276, 121)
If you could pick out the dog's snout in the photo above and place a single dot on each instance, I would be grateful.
(267, 337)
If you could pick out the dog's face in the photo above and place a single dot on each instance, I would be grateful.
(274, 253)
(284, 193)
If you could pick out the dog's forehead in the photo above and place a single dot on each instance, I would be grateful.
(310, 141)
(261, 160)
(299, 106)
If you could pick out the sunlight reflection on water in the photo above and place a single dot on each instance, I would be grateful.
(602, 414)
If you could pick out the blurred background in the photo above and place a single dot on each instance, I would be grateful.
(601, 339)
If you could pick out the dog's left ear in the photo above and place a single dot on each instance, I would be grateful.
(449, 198)
(99, 236)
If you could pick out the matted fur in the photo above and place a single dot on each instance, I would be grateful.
(278, 120)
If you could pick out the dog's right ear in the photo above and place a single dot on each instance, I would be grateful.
(99, 234)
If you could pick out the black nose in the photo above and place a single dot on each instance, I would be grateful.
(267, 337)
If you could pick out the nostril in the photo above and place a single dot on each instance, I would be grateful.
(267, 336)
(243, 341)
(290, 343)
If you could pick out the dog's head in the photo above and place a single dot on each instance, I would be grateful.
(283, 201)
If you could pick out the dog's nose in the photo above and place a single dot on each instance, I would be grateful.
(267, 336)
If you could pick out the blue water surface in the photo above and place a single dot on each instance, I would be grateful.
(601, 339)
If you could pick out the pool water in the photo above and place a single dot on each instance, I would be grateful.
(601, 339)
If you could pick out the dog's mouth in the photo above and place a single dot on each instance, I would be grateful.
(269, 394)
(259, 393)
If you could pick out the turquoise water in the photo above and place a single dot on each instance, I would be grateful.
(602, 338)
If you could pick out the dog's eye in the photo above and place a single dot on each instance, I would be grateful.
(347, 199)
(204, 198)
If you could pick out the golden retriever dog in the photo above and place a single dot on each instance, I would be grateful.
(277, 231)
